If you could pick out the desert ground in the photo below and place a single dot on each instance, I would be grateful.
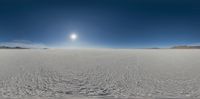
(99, 73)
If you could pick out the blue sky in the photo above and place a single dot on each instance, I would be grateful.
(101, 23)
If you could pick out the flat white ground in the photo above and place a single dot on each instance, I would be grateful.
(99, 72)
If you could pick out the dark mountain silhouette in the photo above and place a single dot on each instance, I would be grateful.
(185, 47)
(7, 47)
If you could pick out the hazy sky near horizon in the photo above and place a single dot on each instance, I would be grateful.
(101, 23)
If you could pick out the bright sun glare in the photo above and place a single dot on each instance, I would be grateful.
(73, 36)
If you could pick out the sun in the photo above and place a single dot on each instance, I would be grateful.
(73, 36)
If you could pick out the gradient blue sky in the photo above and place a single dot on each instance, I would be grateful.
(101, 23)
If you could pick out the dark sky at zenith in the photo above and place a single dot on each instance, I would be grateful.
(101, 23)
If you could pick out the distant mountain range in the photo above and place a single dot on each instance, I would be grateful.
(17, 47)
(185, 47)
(174, 47)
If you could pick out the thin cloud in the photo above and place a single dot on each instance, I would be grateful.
(195, 44)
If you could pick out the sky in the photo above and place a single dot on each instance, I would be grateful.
(101, 23)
